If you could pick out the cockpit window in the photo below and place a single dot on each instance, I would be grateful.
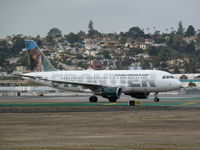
(167, 77)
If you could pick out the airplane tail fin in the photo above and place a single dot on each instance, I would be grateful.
(38, 62)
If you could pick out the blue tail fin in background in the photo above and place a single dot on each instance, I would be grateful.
(37, 60)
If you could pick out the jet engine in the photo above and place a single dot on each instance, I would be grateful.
(111, 92)
(140, 95)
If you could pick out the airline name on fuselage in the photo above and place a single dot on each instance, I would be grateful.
(131, 75)
(102, 75)
(131, 80)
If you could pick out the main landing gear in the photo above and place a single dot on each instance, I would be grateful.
(156, 99)
(93, 99)
(112, 99)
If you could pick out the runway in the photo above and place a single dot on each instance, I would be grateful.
(165, 100)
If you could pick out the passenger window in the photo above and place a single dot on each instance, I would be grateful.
(163, 77)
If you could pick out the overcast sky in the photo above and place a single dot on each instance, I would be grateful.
(32, 17)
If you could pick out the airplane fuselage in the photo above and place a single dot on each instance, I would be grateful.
(129, 80)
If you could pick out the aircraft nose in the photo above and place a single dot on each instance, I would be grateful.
(178, 84)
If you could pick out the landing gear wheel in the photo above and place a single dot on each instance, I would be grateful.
(93, 99)
(112, 99)
(156, 99)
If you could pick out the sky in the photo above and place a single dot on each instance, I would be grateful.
(33, 17)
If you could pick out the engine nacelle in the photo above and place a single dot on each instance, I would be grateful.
(140, 95)
(111, 92)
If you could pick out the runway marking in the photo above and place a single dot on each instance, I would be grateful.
(109, 104)
(190, 103)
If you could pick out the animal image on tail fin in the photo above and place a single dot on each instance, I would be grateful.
(37, 60)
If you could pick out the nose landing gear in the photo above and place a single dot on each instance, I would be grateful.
(156, 99)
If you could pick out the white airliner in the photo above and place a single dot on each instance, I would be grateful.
(109, 84)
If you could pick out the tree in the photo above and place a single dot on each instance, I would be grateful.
(134, 51)
(106, 54)
(38, 40)
(18, 44)
(54, 33)
(191, 84)
(23, 61)
(126, 62)
(191, 66)
(135, 32)
(156, 33)
(159, 40)
(90, 26)
(3, 43)
(198, 42)
(145, 64)
(91, 31)
(72, 38)
(81, 34)
(170, 40)
(49, 39)
(190, 31)
(180, 28)
(122, 37)
(153, 51)
(190, 48)
(82, 65)
(176, 70)
(79, 56)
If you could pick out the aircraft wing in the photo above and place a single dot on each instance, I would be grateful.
(86, 85)
(91, 86)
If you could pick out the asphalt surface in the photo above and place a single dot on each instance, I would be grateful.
(34, 104)
(165, 100)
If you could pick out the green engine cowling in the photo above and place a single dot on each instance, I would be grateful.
(111, 92)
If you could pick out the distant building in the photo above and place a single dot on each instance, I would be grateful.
(92, 44)
(8, 83)
(135, 66)
(53, 56)
(140, 45)
(190, 39)
(12, 60)
(149, 42)
(96, 64)
(3, 43)
(160, 45)
(48, 47)
(183, 77)
(111, 43)
(21, 68)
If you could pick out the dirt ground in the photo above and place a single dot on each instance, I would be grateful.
(119, 130)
